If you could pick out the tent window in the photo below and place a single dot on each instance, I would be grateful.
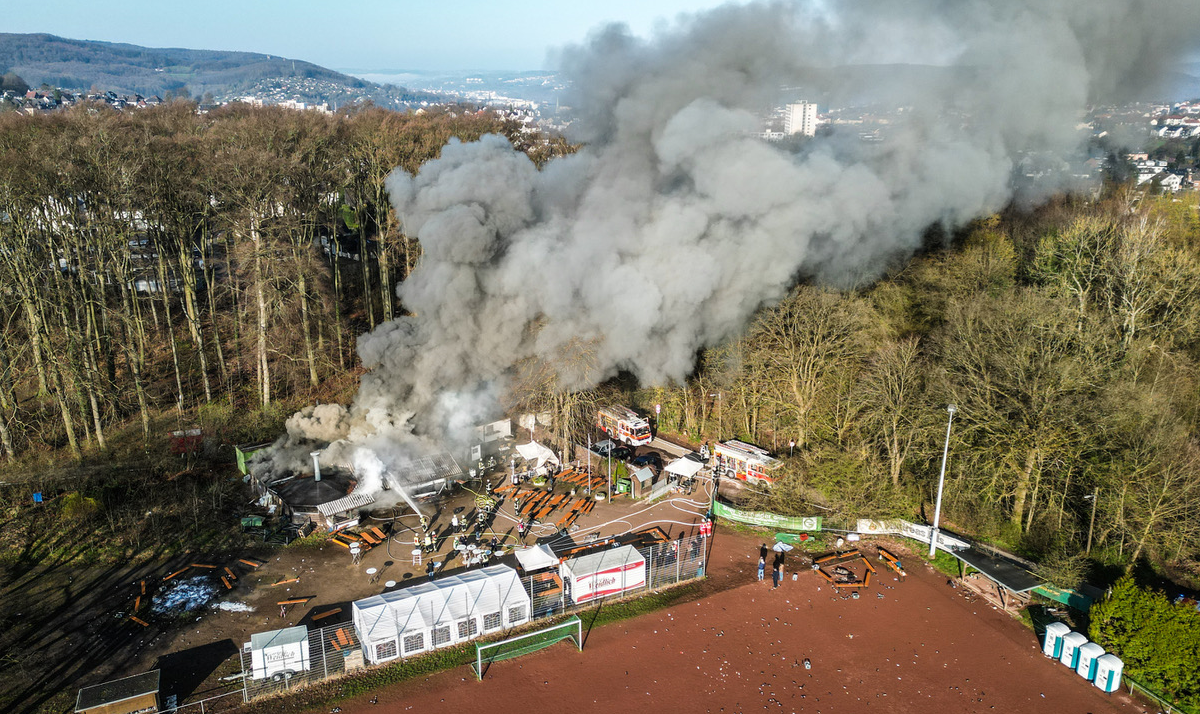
(491, 621)
(516, 614)
(385, 650)
(441, 636)
(467, 628)
(414, 643)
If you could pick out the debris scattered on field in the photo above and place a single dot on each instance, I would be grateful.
(183, 595)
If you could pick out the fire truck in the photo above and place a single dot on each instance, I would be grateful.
(623, 425)
(746, 462)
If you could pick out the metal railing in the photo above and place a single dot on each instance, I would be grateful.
(332, 651)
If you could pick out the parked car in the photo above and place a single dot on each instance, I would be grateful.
(602, 448)
(648, 459)
(622, 453)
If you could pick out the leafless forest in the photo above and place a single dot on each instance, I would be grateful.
(160, 269)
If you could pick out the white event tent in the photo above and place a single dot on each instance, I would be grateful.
(440, 613)
(536, 557)
(534, 451)
(684, 468)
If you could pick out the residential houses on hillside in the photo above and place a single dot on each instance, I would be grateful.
(37, 101)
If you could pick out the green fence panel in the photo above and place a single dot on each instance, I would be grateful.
(1070, 598)
(770, 520)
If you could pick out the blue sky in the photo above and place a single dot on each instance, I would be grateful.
(358, 34)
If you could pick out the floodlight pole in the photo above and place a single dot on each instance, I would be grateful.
(937, 509)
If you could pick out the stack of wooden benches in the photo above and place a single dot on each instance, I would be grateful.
(366, 539)
(537, 504)
(580, 507)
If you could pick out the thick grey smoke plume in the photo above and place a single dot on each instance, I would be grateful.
(674, 223)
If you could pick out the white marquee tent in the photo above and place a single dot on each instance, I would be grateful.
(536, 557)
(684, 468)
(534, 451)
(440, 613)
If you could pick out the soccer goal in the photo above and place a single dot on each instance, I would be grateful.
(485, 654)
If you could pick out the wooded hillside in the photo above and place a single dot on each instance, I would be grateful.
(124, 68)
(1067, 340)
(161, 267)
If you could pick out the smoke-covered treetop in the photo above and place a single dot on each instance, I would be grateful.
(675, 222)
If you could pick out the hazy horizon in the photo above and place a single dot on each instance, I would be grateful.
(471, 35)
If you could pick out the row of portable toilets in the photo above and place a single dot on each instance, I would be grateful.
(1086, 658)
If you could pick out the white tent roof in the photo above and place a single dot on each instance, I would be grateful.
(684, 468)
(536, 557)
(535, 451)
(437, 602)
(603, 560)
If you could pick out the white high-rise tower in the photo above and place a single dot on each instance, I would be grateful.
(800, 118)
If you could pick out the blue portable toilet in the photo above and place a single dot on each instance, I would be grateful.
(1088, 654)
(1071, 643)
(1052, 643)
(1108, 673)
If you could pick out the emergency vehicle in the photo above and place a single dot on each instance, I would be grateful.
(746, 462)
(623, 425)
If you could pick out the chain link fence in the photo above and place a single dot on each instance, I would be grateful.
(335, 649)
(332, 651)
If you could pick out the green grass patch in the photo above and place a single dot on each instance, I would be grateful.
(607, 614)
(942, 561)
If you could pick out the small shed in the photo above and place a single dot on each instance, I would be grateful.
(1071, 643)
(439, 613)
(278, 653)
(1108, 673)
(604, 573)
(131, 695)
(642, 482)
(1088, 654)
(1052, 642)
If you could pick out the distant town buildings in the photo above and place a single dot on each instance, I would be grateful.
(800, 118)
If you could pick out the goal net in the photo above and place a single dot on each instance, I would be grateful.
(485, 654)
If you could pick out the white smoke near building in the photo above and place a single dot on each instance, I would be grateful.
(674, 223)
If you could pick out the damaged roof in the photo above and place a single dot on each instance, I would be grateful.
(303, 492)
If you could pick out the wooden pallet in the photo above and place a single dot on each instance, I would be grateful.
(378, 534)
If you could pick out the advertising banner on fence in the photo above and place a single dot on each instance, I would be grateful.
(770, 520)
(606, 573)
(910, 530)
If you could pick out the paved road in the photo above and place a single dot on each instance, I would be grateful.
(672, 449)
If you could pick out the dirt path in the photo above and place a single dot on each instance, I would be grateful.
(915, 646)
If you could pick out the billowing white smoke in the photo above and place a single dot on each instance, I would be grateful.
(674, 223)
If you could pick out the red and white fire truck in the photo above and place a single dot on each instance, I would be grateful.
(623, 425)
(745, 461)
